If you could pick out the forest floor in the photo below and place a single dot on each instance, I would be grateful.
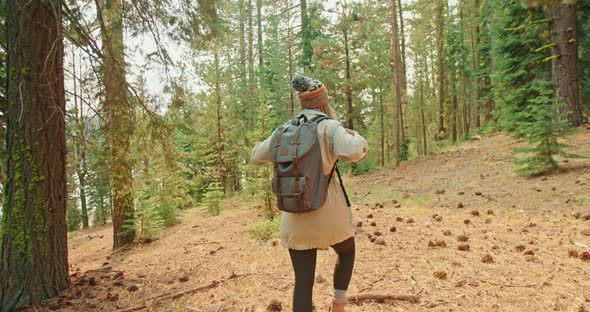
(521, 236)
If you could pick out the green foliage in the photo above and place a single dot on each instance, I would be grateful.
(148, 220)
(518, 64)
(265, 230)
(541, 127)
(73, 216)
(489, 127)
(213, 197)
(522, 86)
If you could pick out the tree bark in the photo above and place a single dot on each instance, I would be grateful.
(290, 57)
(396, 80)
(119, 121)
(455, 116)
(259, 28)
(80, 148)
(564, 65)
(251, 74)
(441, 74)
(422, 67)
(219, 151)
(476, 60)
(382, 113)
(348, 88)
(305, 39)
(404, 79)
(34, 263)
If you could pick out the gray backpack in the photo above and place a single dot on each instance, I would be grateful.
(299, 181)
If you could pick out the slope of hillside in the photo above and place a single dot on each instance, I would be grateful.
(459, 229)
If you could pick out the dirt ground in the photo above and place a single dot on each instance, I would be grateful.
(519, 238)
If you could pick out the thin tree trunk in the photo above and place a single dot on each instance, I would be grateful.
(422, 104)
(455, 116)
(348, 88)
(243, 84)
(382, 113)
(290, 56)
(220, 165)
(564, 65)
(34, 259)
(441, 80)
(403, 73)
(259, 28)
(396, 80)
(306, 48)
(476, 60)
(80, 148)
(119, 121)
(251, 74)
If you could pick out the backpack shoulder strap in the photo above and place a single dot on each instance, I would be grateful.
(342, 185)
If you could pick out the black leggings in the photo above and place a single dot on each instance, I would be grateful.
(304, 262)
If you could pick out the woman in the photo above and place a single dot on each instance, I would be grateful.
(331, 225)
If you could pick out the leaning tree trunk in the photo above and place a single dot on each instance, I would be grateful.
(564, 65)
(119, 121)
(34, 263)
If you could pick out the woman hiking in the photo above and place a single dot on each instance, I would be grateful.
(331, 225)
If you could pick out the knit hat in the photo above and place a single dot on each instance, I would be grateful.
(311, 92)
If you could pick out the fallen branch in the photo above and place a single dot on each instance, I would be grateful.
(173, 295)
(105, 270)
(376, 297)
(511, 285)
(371, 284)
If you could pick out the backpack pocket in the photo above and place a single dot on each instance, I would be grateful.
(291, 198)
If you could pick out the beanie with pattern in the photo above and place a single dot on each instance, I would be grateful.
(311, 92)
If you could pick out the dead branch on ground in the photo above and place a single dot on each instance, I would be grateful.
(172, 295)
(378, 297)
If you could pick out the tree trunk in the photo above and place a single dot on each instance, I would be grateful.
(80, 147)
(245, 95)
(422, 117)
(34, 263)
(119, 121)
(348, 88)
(564, 65)
(290, 57)
(251, 74)
(441, 80)
(259, 28)
(455, 116)
(404, 78)
(476, 61)
(307, 50)
(220, 164)
(396, 80)
(382, 112)
(83, 205)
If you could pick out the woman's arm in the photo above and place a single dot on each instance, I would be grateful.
(349, 144)
(261, 152)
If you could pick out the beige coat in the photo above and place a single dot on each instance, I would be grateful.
(332, 223)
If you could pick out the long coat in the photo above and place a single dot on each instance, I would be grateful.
(332, 223)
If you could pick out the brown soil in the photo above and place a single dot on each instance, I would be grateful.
(228, 271)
